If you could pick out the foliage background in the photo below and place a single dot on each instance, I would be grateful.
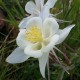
(11, 13)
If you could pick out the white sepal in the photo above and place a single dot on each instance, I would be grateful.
(22, 24)
(30, 7)
(17, 56)
(64, 33)
(42, 63)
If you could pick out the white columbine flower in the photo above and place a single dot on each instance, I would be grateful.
(37, 40)
(37, 9)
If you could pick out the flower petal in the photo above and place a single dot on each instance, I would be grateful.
(39, 4)
(33, 51)
(31, 8)
(50, 3)
(64, 33)
(51, 44)
(21, 41)
(50, 27)
(17, 56)
(24, 21)
(36, 21)
(46, 9)
(42, 63)
(44, 13)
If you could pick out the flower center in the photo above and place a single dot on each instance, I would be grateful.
(34, 34)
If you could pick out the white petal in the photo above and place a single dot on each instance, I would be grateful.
(50, 3)
(39, 4)
(44, 13)
(36, 21)
(64, 33)
(42, 63)
(46, 9)
(31, 51)
(21, 40)
(31, 8)
(51, 44)
(50, 27)
(17, 56)
(24, 21)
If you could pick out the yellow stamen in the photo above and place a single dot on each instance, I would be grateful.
(34, 34)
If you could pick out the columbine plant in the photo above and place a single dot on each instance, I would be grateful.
(37, 9)
(37, 40)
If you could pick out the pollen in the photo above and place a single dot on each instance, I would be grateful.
(34, 35)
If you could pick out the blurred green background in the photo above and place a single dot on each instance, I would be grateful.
(11, 13)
